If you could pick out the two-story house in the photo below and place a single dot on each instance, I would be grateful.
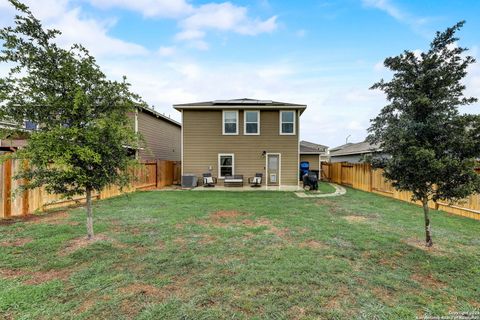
(242, 137)
(160, 135)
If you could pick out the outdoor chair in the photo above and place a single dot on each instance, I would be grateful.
(208, 180)
(256, 181)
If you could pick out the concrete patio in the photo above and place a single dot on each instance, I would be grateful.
(248, 188)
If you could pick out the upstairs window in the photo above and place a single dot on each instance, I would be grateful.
(230, 122)
(287, 122)
(252, 122)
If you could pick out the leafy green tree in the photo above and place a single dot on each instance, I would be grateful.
(82, 144)
(433, 147)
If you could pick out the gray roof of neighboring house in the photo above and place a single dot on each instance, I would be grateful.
(354, 148)
(159, 115)
(340, 147)
(244, 103)
(310, 147)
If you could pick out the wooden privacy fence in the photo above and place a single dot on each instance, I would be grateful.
(148, 175)
(361, 176)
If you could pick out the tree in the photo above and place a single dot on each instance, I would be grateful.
(433, 147)
(84, 132)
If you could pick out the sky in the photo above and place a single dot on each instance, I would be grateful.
(325, 54)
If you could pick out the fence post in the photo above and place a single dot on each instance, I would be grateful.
(7, 188)
(159, 173)
(25, 193)
(371, 177)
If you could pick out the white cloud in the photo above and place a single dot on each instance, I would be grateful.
(227, 17)
(224, 17)
(166, 51)
(416, 23)
(190, 34)
(76, 27)
(388, 7)
(149, 8)
(93, 35)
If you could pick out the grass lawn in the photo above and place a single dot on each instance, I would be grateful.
(323, 187)
(238, 255)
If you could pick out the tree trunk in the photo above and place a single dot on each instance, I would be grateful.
(428, 226)
(89, 215)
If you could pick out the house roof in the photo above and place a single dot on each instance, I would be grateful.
(340, 147)
(243, 103)
(154, 113)
(310, 147)
(354, 148)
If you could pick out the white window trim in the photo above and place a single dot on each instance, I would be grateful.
(223, 123)
(219, 167)
(294, 123)
(279, 167)
(245, 123)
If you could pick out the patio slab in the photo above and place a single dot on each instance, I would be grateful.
(248, 188)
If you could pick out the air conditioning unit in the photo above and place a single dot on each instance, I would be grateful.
(189, 181)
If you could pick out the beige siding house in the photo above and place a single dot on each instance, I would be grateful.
(313, 153)
(160, 133)
(242, 137)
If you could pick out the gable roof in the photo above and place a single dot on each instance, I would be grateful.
(310, 147)
(340, 147)
(244, 103)
(355, 148)
(154, 113)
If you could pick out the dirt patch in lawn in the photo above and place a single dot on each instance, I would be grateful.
(207, 239)
(83, 242)
(35, 277)
(56, 217)
(226, 214)
(226, 219)
(45, 276)
(335, 302)
(16, 243)
(384, 295)
(50, 218)
(141, 288)
(355, 219)
(427, 280)
(178, 288)
(270, 228)
(221, 219)
(312, 244)
(12, 273)
(90, 302)
(296, 312)
(420, 244)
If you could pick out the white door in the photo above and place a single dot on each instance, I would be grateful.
(273, 169)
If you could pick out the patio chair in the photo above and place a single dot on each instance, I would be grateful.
(208, 180)
(256, 181)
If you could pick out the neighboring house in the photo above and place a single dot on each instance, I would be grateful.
(242, 137)
(354, 152)
(18, 139)
(313, 153)
(161, 135)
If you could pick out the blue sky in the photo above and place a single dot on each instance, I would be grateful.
(323, 53)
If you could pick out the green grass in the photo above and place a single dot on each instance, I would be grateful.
(265, 255)
(324, 187)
